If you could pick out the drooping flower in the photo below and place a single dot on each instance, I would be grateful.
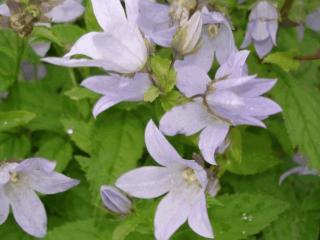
(313, 20)
(233, 98)
(301, 169)
(262, 28)
(19, 183)
(114, 200)
(120, 48)
(184, 181)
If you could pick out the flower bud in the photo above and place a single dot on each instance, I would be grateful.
(114, 200)
(187, 38)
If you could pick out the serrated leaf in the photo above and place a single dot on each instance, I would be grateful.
(13, 119)
(11, 50)
(256, 155)
(14, 147)
(301, 104)
(244, 215)
(56, 149)
(79, 93)
(81, 230)
(283, 60)
(117, 144)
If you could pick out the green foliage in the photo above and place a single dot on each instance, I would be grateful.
(13, 119)
(283, 60)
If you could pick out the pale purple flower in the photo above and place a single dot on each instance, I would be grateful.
(262, 28)
(32, 71)
(184, 181)
(120, 48)
(4, 10)
(233, 98)
(19, 183)
(313, 20)
(301, 169)
(115, 201)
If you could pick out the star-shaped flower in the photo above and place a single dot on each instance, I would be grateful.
(184, 181)
(19, 183)
(233, 98)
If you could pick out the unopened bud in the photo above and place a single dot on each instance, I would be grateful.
(188, 36)
(115, 201)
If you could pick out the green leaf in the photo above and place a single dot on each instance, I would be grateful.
(11, 51)
(172, 99)
(256, 154)
(13, 119)
(80, 93)
(67, 34)
(56, 149)
(81, 230)
(301, 104)
(244, 215)
(151, 94)
(164, 73)
(14, 147)
(45, 33)
(90, 19)
(283, 60)
(117, 144)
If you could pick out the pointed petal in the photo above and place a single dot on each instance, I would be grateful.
(233, 83)
(146, 182)
(260, 106)
(4, 207)
(41, 48)
(234, 67)
(67, 62)
(108, 13)
(132, 10)
(186, 119)
(273, 29)
(248, 38)
(27, 209)
(173, 210)
(255, 87)
(211, 138)
(198, 219)
(67, 11)
(290, 172)
(192, 80)
(117, 89)
(41, 164)
(114, 200)
(48, 183)
(159, 147)
(260, 30)
(224, 43)
(263, 47)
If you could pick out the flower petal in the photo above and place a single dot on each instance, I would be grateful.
(211, 138)
(4, 207)
(263, 47)
(48, 183)
(192, 80)
(67, 11)
(4, 10)
(273, 29)
(248, 38)
(260, 30)
(198, 219)
(28, 210)
(260, 106)
(159, 147)
(41, 164)
(295, 170)
(108, 13)
(313, 20)
(114, 200)
(224, 43)
(146, 182)
(117, 89)
(174, 209)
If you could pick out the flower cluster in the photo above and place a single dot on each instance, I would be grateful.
(197, 36)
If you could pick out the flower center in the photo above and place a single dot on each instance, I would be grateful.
(213, 30)
(190, 176)
(14, 177)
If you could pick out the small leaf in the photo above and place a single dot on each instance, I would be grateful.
(283, 60)
(79, 93)
(151, 94)
(13, 119)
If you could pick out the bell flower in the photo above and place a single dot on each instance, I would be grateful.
(233, 98)
(120, 48)
(313, 20)
(19, 183)
(262, 28)
(114, 200)
(301, 169)
(183, 181)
